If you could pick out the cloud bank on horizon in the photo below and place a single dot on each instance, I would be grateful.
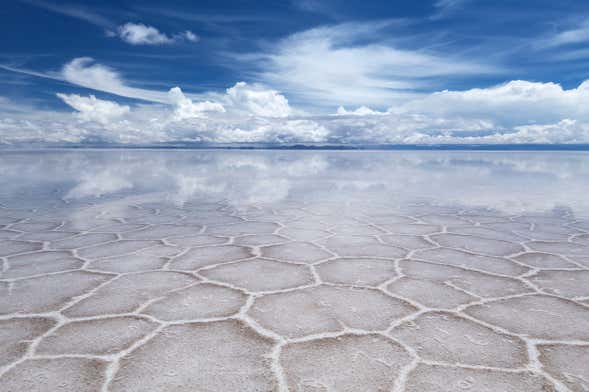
(381, 81)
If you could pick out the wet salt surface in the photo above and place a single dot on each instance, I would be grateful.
(301, 271)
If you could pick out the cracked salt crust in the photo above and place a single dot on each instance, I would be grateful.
(302, 299)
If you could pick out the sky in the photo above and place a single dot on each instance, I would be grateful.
(309, 71)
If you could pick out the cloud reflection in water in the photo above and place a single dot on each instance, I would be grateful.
(510, 182)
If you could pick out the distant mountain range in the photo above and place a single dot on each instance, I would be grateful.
(262, 146)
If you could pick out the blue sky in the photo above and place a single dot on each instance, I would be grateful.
(439, 71)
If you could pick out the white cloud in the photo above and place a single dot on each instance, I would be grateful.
(94, 109)
(443, 8)
(514, 103)
(99, 184)
(8, 106)
(266, 130)
(258, 100)
(317, 6)
(565, 131)
(361, 111)
(82, 71)
(243, 97)
(354, 64)
(156, 124)
(141, 34)
(250, 116)
(190, 36)
(578, 34)
(514, 112)
(186, 109)
(76, 12)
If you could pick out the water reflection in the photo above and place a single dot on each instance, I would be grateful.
(509, 182)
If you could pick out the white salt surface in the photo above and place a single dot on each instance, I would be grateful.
(341, 281)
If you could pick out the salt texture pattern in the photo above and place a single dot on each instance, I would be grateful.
(267, 271)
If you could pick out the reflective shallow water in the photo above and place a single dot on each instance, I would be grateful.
(294, 270)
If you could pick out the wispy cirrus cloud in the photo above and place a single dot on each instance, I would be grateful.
(355, 64)
(315, 6)
(444, 8)
(24, 71)
(242, 97)
(576, 34)
(84, 72)
(74, 11)
(390, 91)
(225, 17)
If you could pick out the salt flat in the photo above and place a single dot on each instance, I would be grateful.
(300, 271)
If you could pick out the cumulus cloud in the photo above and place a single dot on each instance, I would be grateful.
(244, 114)
(190, 36)
(361, 111)
(514, 112)
(186, 109)
(564, 131)
(514, 103)
(258, 100)
(93, 109)
(267, 130)
(242, 97)
(141, 34)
